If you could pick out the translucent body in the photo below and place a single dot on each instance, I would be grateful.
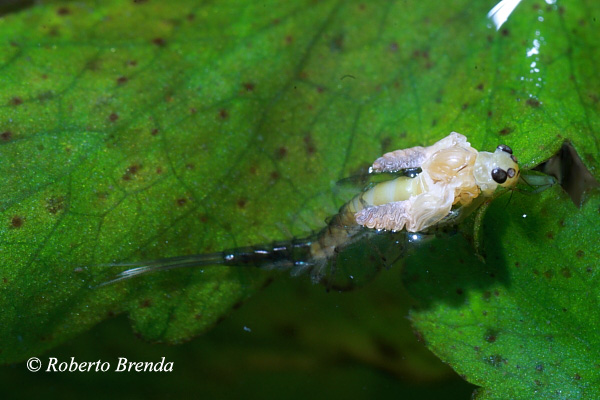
(371, 230)
(453, 173)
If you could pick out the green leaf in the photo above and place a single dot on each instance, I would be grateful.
(138, 130)
(524, 324)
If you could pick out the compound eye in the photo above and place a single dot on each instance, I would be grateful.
(499, 175)
(510, 172)
(505, 148)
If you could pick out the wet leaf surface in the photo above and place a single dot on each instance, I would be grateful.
(138, 130)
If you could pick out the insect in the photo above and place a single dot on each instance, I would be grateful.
(429, 188)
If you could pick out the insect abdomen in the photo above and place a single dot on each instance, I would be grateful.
(274, 255)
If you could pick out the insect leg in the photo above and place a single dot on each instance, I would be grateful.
(538, 183)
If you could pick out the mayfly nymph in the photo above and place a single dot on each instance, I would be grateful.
(430, 187)
(453, 173)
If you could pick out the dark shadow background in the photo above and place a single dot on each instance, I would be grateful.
(293, 340)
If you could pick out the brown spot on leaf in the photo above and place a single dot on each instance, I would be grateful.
(550, 235)
(241, 203)
(275, 175)
(154, 132)
(577, 377)
(309, 145)
(459, 291)
(16, 101)
(16, 221)
(160, 42)
(580, 254)
(249, 86)
(549, 274)
(505, 32)
(181, 201)
(131, 171)
(289, 39)
(465, 106)
(113, 117)
(394, 47)
(491, 336)
(6, 136)
(566, 272)
(505, 131)
(479, 87)
(535, 103)
(145, 303)
(159, 170)
(223, 114)
(62, 11)
(281, 152)
(55, 204)
(122, 80)
(320, 89)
